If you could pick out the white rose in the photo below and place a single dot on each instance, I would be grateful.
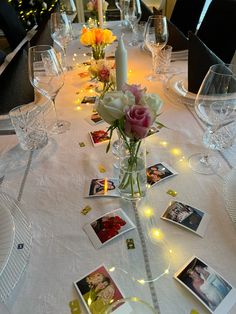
(112, 106)
(153, 101)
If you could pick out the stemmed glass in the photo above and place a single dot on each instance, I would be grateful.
(61, 32)
(70, 9)
(123, 6)
(46, 75)
(155, 37)
(215, 105)
(133, 15)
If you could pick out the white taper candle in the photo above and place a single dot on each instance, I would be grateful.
(121, 64)
(100, 13)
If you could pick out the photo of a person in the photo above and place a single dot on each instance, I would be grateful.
(98, 290)
(101, 187)
(157, 173)
(185, 215)
(203, 281)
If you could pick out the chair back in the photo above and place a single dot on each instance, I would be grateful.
(217, 29)
(15, 87)
(10, 24)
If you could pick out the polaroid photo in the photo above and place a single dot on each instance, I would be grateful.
(104, 187)
(94, 118)
(99, 137)
(98, 290)
(187, 217)
(210, 288)
(159, 172)
(108, 227)
(89, 100)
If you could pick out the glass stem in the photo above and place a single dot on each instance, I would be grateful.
(204, 160)
(64, 56)
(154, 63)
(55, 110)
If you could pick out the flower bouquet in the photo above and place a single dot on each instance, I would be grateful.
(98, 39)
(132, 112)
(103, 72)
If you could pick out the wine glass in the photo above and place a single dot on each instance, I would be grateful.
(215, 105)
(155, 37)
(46, 75)
(61, 32)
(123, 6)
(68, 6)
(133, 15)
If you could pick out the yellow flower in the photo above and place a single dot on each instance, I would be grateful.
(96, 36)
(108, 36)
(87, 37)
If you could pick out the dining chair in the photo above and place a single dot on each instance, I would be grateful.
(186, 14)
(217, 29)
(10, 24)
(15, 87)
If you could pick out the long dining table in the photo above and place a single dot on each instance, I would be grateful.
(49, 185)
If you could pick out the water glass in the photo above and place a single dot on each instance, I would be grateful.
(164, 59)
(28, 122)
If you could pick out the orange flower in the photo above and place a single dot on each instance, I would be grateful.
(96, 36)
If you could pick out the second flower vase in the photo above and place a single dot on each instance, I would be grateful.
(132, 177)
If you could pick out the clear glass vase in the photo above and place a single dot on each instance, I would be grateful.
(132, 176)
(98, 52)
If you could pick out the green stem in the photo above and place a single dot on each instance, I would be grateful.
(128, 178)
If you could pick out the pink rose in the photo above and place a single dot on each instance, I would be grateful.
(104, 74)
(136, 90)
(138, 120)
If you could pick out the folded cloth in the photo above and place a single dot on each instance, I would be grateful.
(200, 58)
(219, 35)
(176, 38)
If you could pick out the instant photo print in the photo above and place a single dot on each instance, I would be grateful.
(99, 137)
(159, 172)
(108, 227)
(187, 217)
(102, 187)
(97, 290)
(209, 287)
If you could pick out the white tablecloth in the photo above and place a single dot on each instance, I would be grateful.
(50, 189)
